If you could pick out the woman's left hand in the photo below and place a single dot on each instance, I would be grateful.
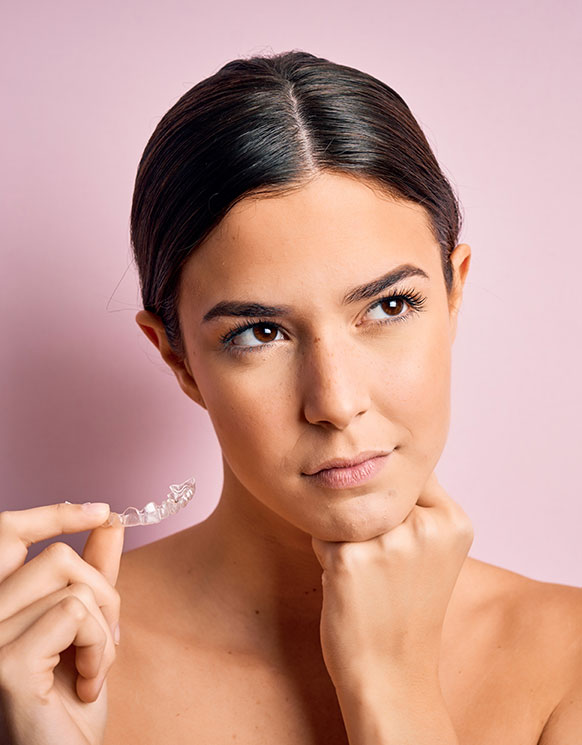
(385, 599)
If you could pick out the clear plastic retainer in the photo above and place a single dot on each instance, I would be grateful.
(179, 496)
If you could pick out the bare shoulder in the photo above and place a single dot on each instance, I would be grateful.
(156, 559)
(542, 613)
(558, 608)
(144, 576)
(153, 582)
(540, 626)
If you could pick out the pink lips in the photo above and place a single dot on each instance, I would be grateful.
(342, 478)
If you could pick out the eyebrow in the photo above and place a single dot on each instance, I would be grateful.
(368, 290)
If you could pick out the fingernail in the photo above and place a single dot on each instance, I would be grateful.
(116, 634)
(95, 508)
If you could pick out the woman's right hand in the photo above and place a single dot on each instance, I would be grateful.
(58, 613)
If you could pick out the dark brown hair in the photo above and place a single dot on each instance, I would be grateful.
(265, 125)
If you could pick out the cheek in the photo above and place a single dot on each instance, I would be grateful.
(417, 394)
(248, 411)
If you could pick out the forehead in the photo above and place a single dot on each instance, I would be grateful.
(337, 230)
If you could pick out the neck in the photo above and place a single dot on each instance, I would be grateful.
(257, 580)
(257, 572)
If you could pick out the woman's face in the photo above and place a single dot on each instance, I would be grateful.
(325, 376)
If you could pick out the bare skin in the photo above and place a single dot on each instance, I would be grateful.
(296, 613)
(508, 656)
(220, 623)
(242, 591)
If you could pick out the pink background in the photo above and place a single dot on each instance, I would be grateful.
(90, 411)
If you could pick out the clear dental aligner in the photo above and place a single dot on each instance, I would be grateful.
(179, 496)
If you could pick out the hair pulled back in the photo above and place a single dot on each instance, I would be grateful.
(264, 126)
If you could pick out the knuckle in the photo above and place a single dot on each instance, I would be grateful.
(351, 557)
(426, 529)
(6, 520)
(59, 551)
(468, 525)
(406, 540)
(344, 557)
(60, 508)
(468, 531)
(336, 558)
(391, 541)
(464, 523)
(83, 591)
(74, 607)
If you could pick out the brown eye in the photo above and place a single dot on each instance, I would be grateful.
(269, 336)
(392, 306)
(255, 331)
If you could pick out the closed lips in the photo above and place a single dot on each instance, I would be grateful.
(347, 462)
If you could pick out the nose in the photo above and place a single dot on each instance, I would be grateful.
(334, 378)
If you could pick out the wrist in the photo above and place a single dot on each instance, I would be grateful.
(390, 678)
(388, 711)
(389, 686)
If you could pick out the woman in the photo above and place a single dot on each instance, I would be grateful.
(297, 248)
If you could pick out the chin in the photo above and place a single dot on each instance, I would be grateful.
(362, 523)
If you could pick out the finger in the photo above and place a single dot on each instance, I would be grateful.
(19, 529)
(103, 550)
(433, 494)
(436, 497)
(326, 552)
(12, 626)
(15, 625)
(54, 568)
(319, 550)
(27, 663)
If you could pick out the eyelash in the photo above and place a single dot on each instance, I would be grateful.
(413, 299)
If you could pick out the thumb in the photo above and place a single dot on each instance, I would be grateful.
(319, 549)
(432, 494)
(103, 550)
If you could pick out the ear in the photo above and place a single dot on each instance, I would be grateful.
(153, 327)
(460, 261)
